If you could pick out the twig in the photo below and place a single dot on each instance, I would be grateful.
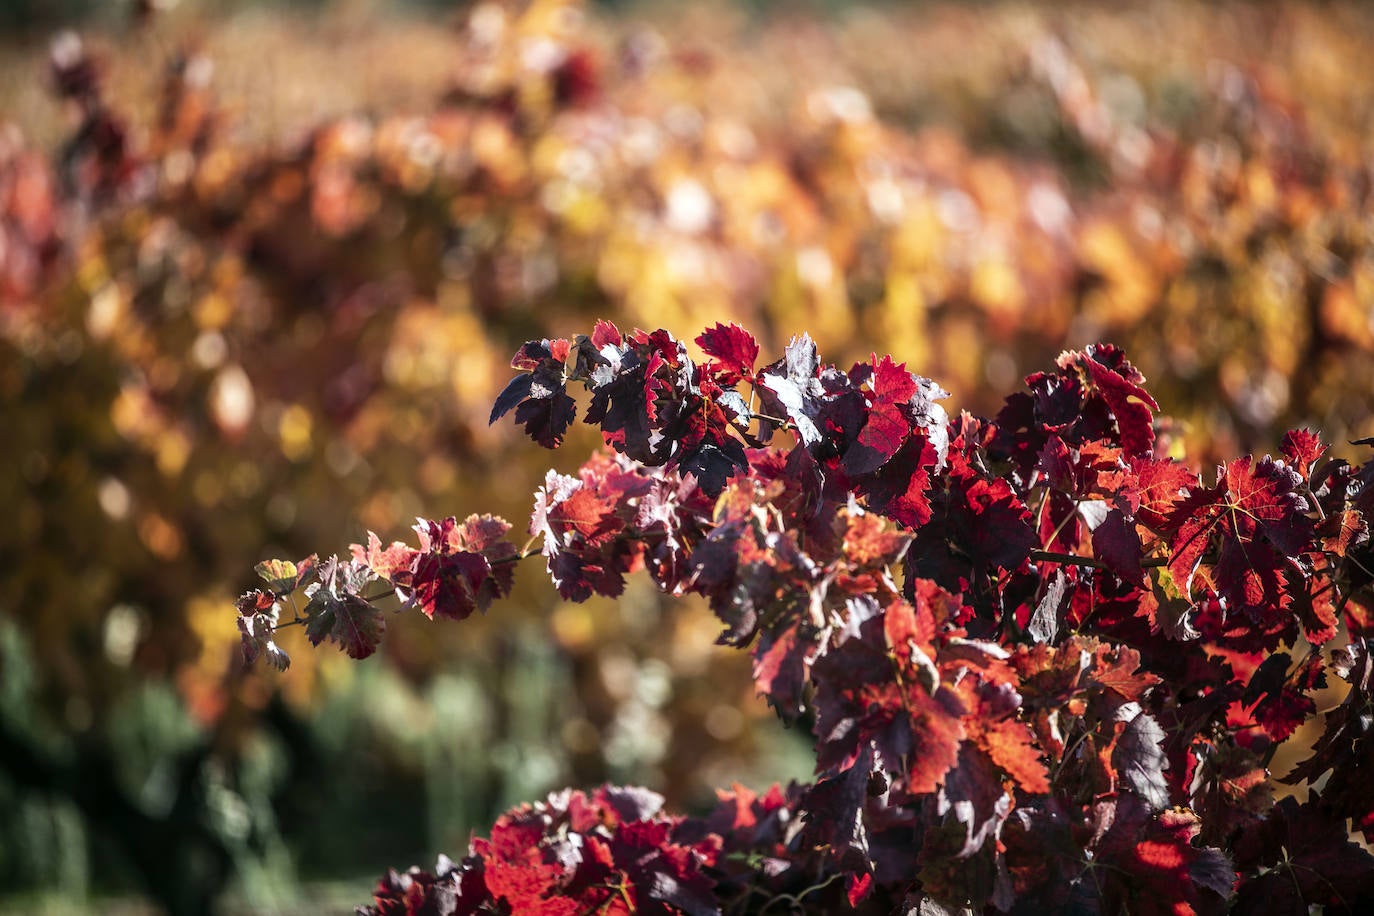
(1073, 559)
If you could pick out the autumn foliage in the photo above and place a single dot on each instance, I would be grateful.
(220, 341)
(1045, 668)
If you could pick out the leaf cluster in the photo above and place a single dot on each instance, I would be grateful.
(160, 278)
(1044, 668)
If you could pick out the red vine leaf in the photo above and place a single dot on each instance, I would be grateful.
(733, 348)
(1301, 448)
(338, 611)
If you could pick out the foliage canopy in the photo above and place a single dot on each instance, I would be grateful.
(1045, 669)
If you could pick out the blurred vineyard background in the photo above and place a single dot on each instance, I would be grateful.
(262, 267)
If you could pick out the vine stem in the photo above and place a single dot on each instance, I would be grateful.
(781, 421)
(525, 553)
(1073, 559)
(386, 592)
(795, 900)
(289, 623)
(1060, 527)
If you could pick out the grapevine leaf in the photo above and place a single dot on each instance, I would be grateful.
(1299, 856)
(1166, 609)
(972, 793)
(450, 890)
(733, 402)
(258, 613)
(276, 656)
(873, 546)
(977, 524)
(1095, 395)
(337, 611)
(733, 348)
(546, 420)
(997, 521)
(276, 573)
(447, 585)
(283, 576)
(630, 803)
(1229, 789)
(1343, 531)
(1263, 499)
(670, 515)
(1342, 753)
(515, 392)
(1162, 488)
(879, 440)
(1151, 865)
(392, 563)
(782, 664)
(1119, 669)
(1119, 385)
(834, 813)
(584, 517)
(1044, 622)
(1301, 448)
(712, 463)
(1282, 703)
(606, 334)
(1316, 611)
(901, 489)
(1263, 529)
(1043, 860)
(1116, 542)
(1010, 745)
(581, 520)
(906, 715)
(452, 575)
(255, 602)
(1057, 465)
(624, 389)
(539, 396)
(857, 887)
(1139, 756)
(795, 387)
(887, 426)
(954, 874)
(995, 731)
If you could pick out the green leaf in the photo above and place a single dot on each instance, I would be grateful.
(283, 576)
